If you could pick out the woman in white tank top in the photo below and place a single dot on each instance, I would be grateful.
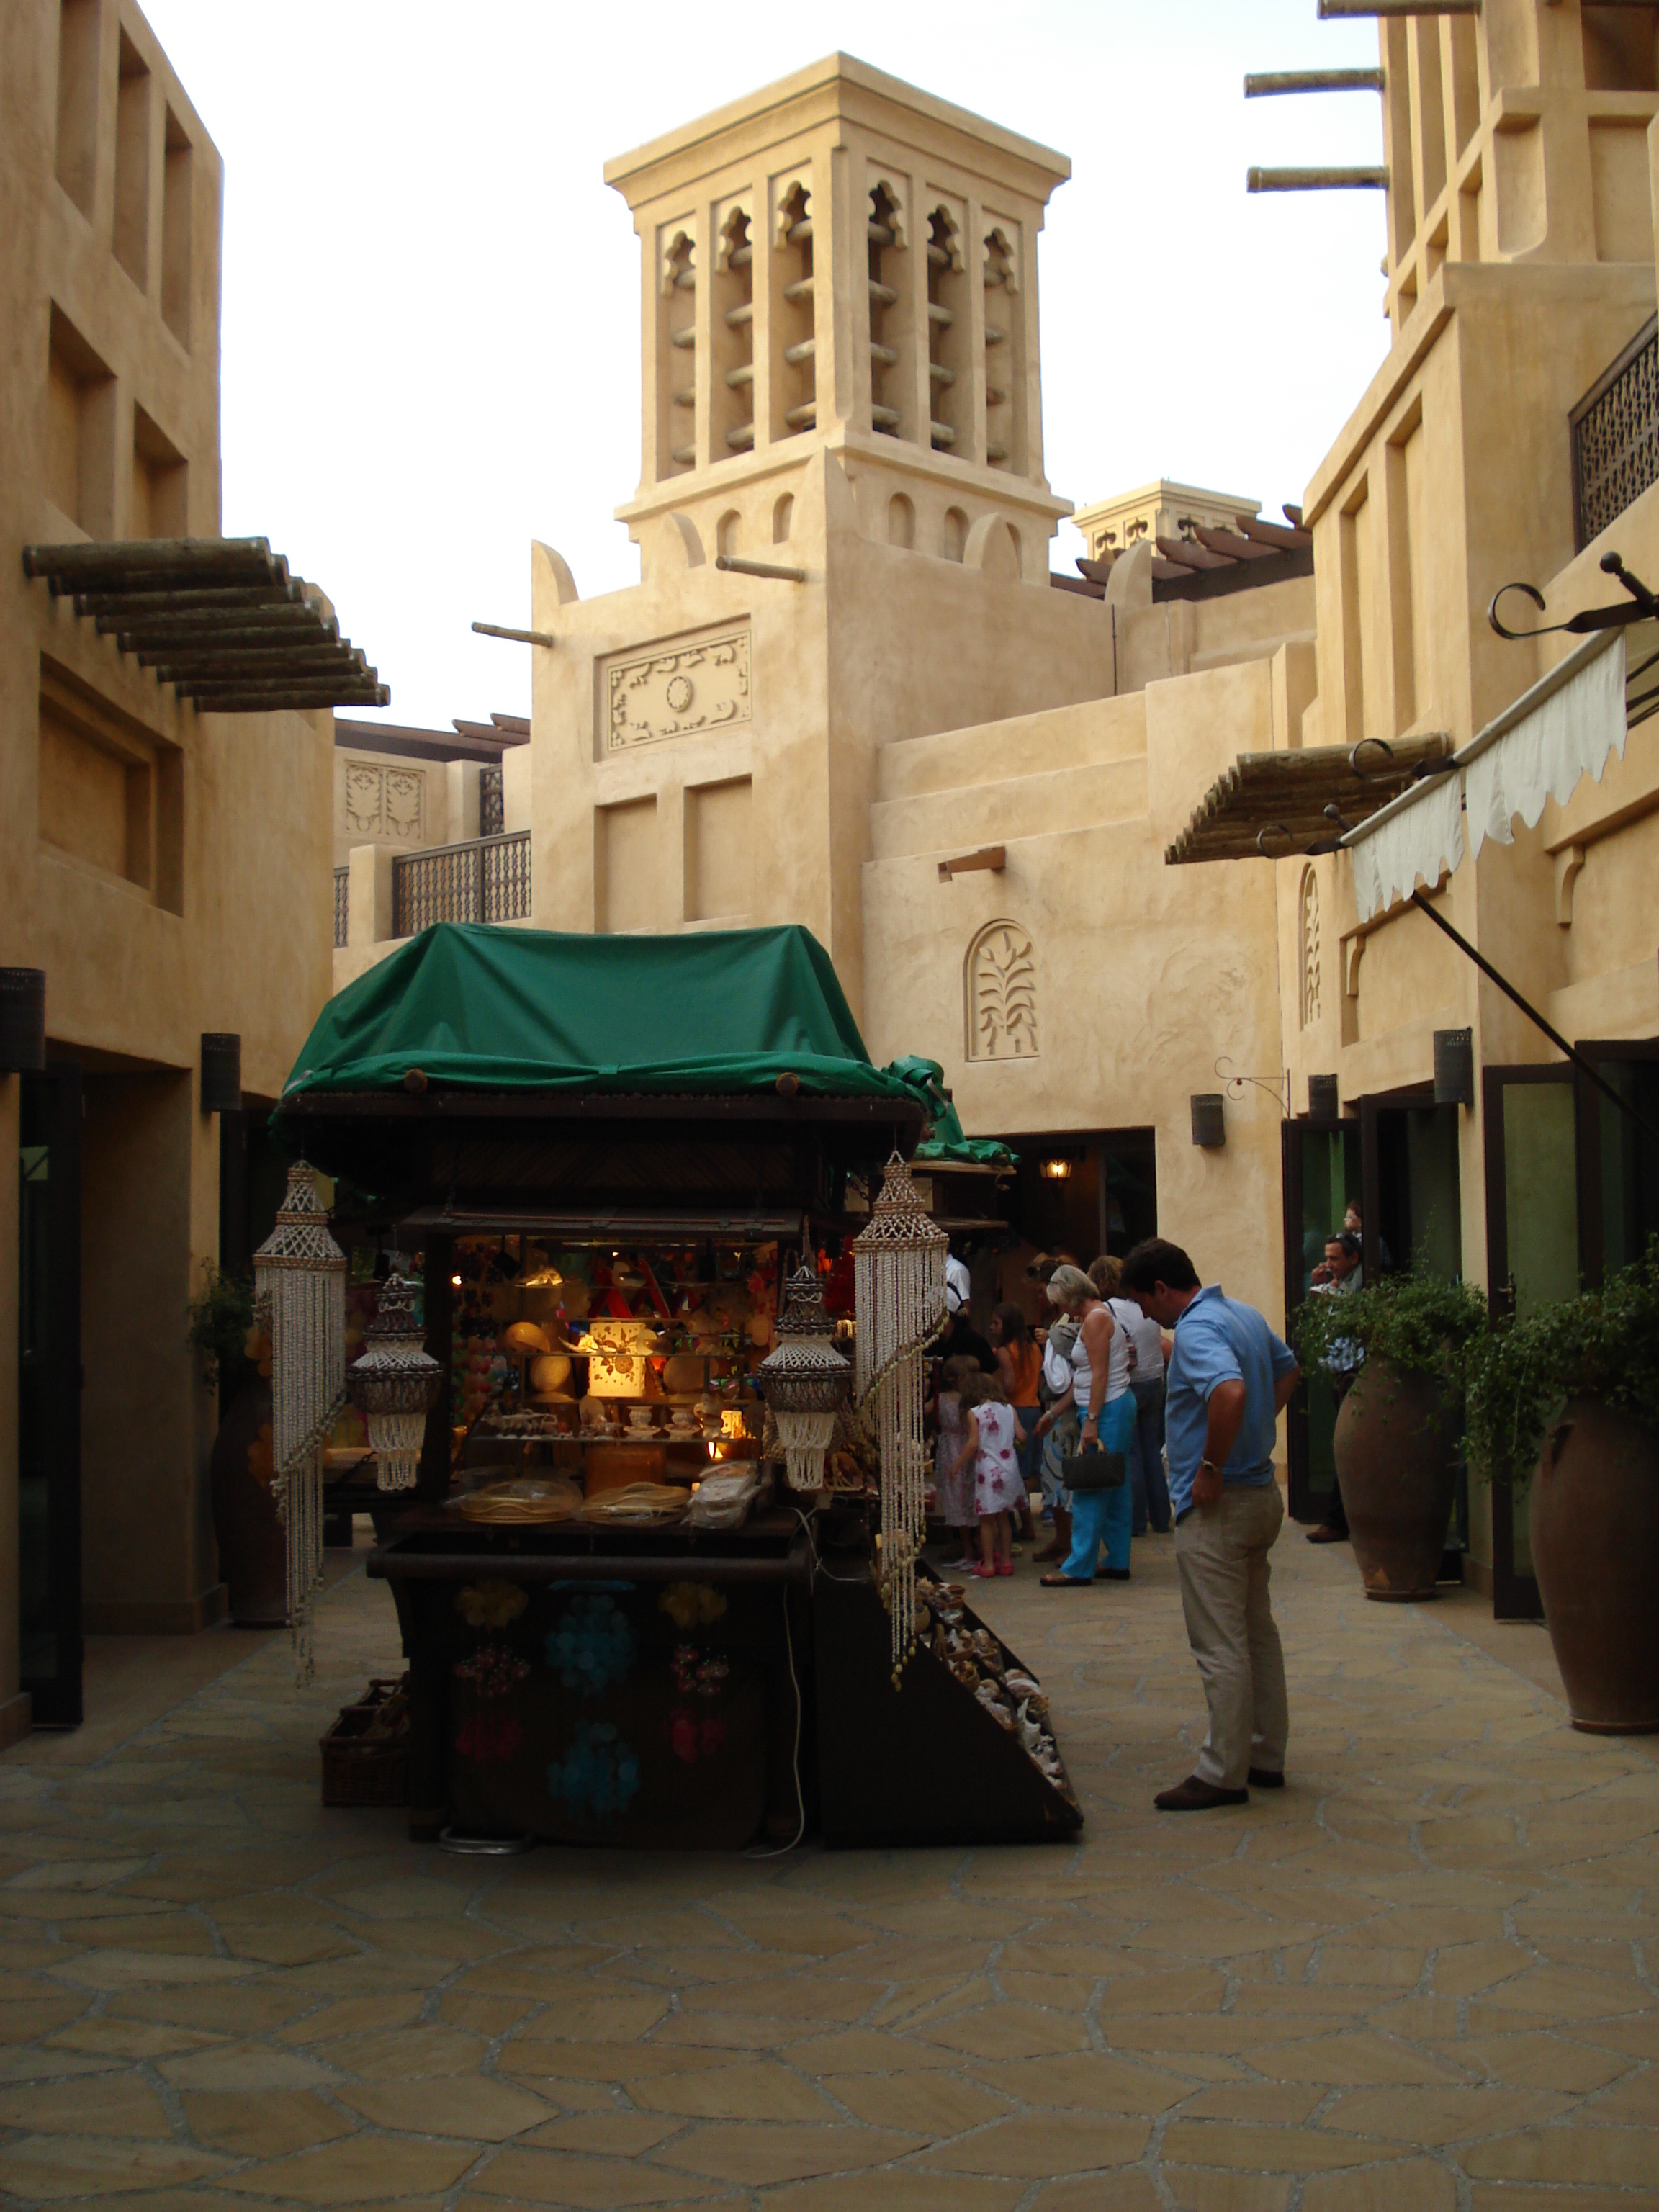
(1100, 1390)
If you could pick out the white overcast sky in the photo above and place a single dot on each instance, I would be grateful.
(431, 300)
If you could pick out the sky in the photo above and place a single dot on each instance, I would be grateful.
(430, 339)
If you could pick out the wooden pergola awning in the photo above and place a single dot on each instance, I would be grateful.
(1272, 806)
(219, 618)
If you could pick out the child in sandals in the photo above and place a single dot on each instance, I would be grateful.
(989, 1449)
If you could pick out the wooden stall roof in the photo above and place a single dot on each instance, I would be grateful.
(1206, 563)
(1271, 805)
(219, 618)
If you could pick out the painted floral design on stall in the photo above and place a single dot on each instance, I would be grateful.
(591, 1646)
(490, 1604)
(692, 1605)
(491, 1671)
(490, 1739)
(598, 1775)
(693, 1734)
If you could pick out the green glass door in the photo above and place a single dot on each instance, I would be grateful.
(1532, 1259)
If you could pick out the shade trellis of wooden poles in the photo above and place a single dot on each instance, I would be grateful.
(221, 619)
(1271, 805)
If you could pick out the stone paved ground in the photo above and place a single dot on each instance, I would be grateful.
(1426, 1975)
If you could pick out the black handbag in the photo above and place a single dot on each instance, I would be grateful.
(1094, 1470)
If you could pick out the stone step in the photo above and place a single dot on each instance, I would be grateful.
(1047, 803)
(1091, 734)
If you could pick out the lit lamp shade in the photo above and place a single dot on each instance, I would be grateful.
(395, 1385)
(1058, 1170)
(803, 1381)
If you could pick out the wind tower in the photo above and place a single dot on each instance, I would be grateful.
(843, 263)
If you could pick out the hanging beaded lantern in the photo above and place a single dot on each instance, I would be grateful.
(804, 1380)
(898, 1284)
(299, 1284)
(395, 1384)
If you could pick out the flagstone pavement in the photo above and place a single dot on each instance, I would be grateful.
(1427, 1975)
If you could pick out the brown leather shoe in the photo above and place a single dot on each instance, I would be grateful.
(1195, 1795)
(1266, 1777)
(1326, 1535)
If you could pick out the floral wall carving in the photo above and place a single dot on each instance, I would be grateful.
(386, 803)
(1002, 992)
(1307, 963)
(699, 683)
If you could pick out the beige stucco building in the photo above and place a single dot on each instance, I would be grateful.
(152, 854)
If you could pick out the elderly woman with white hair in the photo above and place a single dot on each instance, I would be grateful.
(1100, 1391)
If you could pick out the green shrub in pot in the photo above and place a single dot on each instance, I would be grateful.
(1566, 1403)
(1602, 1345)
(1396, 1439)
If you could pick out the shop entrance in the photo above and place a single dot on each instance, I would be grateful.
(1572, 1195)
(48, 1395)
(1080, 1192)
(1397, 1159)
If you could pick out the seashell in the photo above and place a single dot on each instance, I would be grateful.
(941, 1647)
(966, 1673)
(986, 1649)
(1029, 1734)
(683, 1374)
(989, 1697)
(523, 1337)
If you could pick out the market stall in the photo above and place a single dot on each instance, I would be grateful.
(655, 1569)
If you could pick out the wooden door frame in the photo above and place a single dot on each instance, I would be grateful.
(1514, 1597)
(1592, 1257)
(56, 1703)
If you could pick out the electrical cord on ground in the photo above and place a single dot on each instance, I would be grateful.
(783, 1850)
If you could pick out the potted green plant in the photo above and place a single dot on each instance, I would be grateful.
(1569, 1398)
(1406, 1340)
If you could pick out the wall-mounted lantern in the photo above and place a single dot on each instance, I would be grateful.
(1324, 1099)
(1454, 1068)
(222, 1072)
(22, 1021)
(1209, 1123)
(1058, 1169)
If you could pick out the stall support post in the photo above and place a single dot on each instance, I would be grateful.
(433, 1479)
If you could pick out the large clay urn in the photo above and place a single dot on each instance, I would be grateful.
(1595, 1549)
(1396, 1458)
(253, 1549)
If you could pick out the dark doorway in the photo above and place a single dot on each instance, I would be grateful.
(1079, 1191)
(48, 1395)
(1322, 1174)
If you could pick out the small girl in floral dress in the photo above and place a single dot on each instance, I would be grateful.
(988, 1448)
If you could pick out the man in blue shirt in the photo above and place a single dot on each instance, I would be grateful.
(1229, 1378)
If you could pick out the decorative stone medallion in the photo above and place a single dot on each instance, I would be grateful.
(682, 686)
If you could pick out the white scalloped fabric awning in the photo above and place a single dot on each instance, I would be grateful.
(1562, 729)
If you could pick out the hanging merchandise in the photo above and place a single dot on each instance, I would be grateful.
(803, 1381)
(899, 1278)
(299, 1283)
(395, 1385)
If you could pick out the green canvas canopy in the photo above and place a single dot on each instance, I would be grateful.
(499, 1009)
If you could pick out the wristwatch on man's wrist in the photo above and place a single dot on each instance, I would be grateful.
(1208, 1467)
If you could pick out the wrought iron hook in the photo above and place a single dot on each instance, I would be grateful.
(1643, 607)
(1234, 1084)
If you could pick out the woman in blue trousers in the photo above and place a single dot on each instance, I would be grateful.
(1100, 1390)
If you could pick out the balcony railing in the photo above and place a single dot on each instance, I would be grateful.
(1615, 437)
(487, 879)
(492, 817)
(341, 876)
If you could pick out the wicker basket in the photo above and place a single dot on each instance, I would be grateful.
(358, 1770)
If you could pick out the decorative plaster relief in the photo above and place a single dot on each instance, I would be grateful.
(1308, 961)
(1001, 980)
(694, 683)
(387, 803)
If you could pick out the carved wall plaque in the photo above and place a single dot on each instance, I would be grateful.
(1001, 990)
(1309, 927)
(688, 685)
(386, 804)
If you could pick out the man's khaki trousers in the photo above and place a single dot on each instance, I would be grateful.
(1221, 1552)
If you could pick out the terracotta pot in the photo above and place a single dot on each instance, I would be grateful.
(1396, 1458)
(1596, 1548)
(252, 1550)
